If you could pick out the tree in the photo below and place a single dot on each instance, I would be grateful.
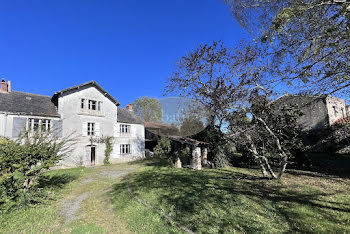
(191, 125)
(304, 43)
(149, 109)
(213, 76)
(208, 75)
(24, 160)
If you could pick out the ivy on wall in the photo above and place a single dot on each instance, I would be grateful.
(108, 141)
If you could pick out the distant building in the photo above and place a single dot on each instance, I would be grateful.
(319, 112)
(86, 110)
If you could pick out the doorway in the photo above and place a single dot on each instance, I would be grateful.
(93, 156)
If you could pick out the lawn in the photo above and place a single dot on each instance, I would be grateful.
(231, 200)
(156, 199)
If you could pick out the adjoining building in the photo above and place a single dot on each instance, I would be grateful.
(319, 112)
(85, 110)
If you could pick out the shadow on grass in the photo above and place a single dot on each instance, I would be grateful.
(57, 179)
(223, 201)
(154, 162)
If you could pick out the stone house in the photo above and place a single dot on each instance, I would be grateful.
(319, 112)
(87, 111)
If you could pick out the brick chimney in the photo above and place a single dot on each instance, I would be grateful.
(129, 107)
(3, 86)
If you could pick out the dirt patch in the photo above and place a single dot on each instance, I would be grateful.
(70, 208)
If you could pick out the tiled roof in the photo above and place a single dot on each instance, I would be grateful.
(93, 83)
(27, 103)
(127, 116)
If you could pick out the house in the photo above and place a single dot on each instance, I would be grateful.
(87, 111)
(319, 112)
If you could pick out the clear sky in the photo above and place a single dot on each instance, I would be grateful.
(128, 47)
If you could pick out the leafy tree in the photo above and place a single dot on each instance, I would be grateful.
(24, 160)
(149, 109)
(304, 43)
(191, 125)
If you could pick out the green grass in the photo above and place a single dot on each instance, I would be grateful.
(233, 200)
(42, 216)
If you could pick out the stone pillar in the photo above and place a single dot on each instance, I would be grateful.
(178, 163)
(204, 156)
(196, 158)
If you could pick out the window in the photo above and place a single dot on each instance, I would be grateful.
(34, 124)
(124, 129)
(82, 105)
(92, 105)
(342, 112)
(91, 129)
(125, 149)
(335, 111)
(46, 125)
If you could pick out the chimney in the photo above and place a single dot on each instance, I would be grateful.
(129, 107)
(9, 86)
(3, 87)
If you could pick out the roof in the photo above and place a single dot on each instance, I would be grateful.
(189, 141)
(162, 128)
(93, 83)
(27, 103)
(126, 116)
(306, 99)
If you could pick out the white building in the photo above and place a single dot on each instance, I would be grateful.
(85, 110)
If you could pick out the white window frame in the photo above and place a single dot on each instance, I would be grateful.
(91, 129)
(42, 124)
(125, 149)
(92, 105)
(125, 129)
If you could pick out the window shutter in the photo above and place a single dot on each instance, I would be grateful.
(97, 129)
(57, 127)
(18, 126)
(84, 128)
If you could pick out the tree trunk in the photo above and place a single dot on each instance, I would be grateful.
(283, 166)
(267, 164)
(254, 151)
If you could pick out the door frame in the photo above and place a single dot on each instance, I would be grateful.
(93, 155)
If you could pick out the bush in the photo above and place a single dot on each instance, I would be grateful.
(222, 156)
(163, 148)
(23, 161)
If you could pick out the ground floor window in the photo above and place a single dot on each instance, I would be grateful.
(125, 149)
(34, 124)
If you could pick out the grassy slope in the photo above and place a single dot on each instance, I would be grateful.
(94, 216)
(234, 200)
(40, 217)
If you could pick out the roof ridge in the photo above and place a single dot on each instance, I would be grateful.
(42, 95)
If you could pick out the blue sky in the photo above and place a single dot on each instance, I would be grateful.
(128, 47)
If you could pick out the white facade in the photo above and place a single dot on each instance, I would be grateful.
(86, 113)
(77, 120)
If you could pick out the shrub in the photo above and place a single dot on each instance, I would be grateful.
(163, 148)
(23, 161)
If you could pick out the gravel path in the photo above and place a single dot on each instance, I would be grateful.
(70, 208)
(89, 196)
